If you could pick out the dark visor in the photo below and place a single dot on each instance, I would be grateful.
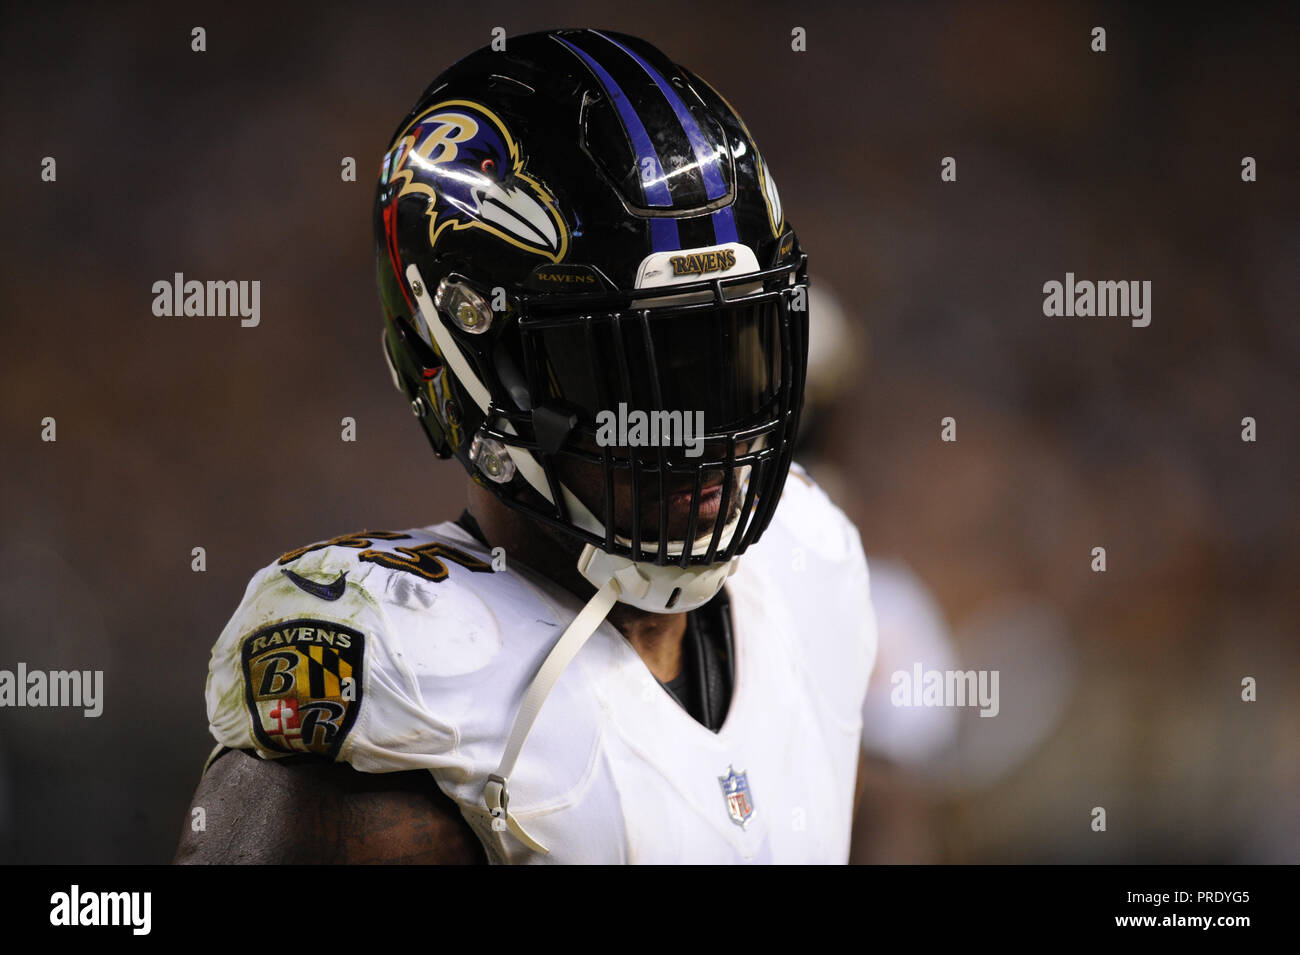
(721, 365)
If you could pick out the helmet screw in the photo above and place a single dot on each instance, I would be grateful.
(419, 407)
(467, 315)
(417, 289)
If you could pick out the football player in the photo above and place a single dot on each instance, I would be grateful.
(649, 636)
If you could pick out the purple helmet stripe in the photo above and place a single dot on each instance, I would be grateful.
(724, 224)
(656, 190)
(663, 234)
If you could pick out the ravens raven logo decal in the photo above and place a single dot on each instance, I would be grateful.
(461, 156)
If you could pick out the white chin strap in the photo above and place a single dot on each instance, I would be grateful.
(647, 586)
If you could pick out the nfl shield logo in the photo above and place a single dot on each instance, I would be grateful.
(735, 789)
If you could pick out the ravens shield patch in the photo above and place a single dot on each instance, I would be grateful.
(302, 683)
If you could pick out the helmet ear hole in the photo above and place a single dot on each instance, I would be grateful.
(433, 426)
(415, 348)
(388, 360)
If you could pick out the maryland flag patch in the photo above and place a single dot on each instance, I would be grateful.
(302, 682)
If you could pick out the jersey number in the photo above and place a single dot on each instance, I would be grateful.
(425, 561)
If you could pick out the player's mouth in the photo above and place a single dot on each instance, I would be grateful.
(710, 501)
(708, 505)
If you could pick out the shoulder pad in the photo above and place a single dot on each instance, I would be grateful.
(310, 662)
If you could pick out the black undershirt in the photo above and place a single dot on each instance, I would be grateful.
(703, 688)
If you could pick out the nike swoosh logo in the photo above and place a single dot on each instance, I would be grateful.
(330, 591)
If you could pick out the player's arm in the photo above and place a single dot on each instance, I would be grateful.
(311, 811)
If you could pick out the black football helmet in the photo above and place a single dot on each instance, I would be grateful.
(573, 232)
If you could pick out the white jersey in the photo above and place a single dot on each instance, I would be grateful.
(398, 651)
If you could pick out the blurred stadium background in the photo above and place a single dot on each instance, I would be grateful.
(1119, 690)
